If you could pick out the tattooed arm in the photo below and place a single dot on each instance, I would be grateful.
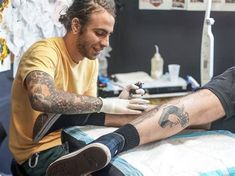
(46, 98)
(199, 108)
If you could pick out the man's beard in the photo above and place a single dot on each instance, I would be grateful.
(83, 48)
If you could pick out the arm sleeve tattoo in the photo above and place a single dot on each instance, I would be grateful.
(45, 97)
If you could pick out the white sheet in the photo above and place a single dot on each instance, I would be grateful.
(191, 153)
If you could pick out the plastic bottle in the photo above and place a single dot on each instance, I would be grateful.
(157, 65)
(103, 61)
(103, 67)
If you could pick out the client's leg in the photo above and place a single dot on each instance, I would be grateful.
(159, 123)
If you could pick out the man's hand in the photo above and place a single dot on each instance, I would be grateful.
(122, 106)
(126, 92)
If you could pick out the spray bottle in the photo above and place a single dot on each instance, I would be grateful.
(157, 65)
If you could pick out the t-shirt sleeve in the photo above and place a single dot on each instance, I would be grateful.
(223, 86)
(40, 57)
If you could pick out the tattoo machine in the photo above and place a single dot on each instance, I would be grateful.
(139, 84)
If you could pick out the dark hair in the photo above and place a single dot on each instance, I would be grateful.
(82, 9)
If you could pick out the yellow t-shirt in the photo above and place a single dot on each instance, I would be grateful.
(50, 56)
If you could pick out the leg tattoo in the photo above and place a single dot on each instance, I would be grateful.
(182, 117)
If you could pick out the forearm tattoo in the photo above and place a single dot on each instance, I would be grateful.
(171, 110)
(45, 97)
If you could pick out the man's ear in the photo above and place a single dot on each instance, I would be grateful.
(75, 25)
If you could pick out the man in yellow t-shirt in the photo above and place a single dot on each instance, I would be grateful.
(59, 76)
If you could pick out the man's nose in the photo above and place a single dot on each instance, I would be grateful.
(105, 41)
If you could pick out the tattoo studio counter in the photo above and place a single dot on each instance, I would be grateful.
(157, 91)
